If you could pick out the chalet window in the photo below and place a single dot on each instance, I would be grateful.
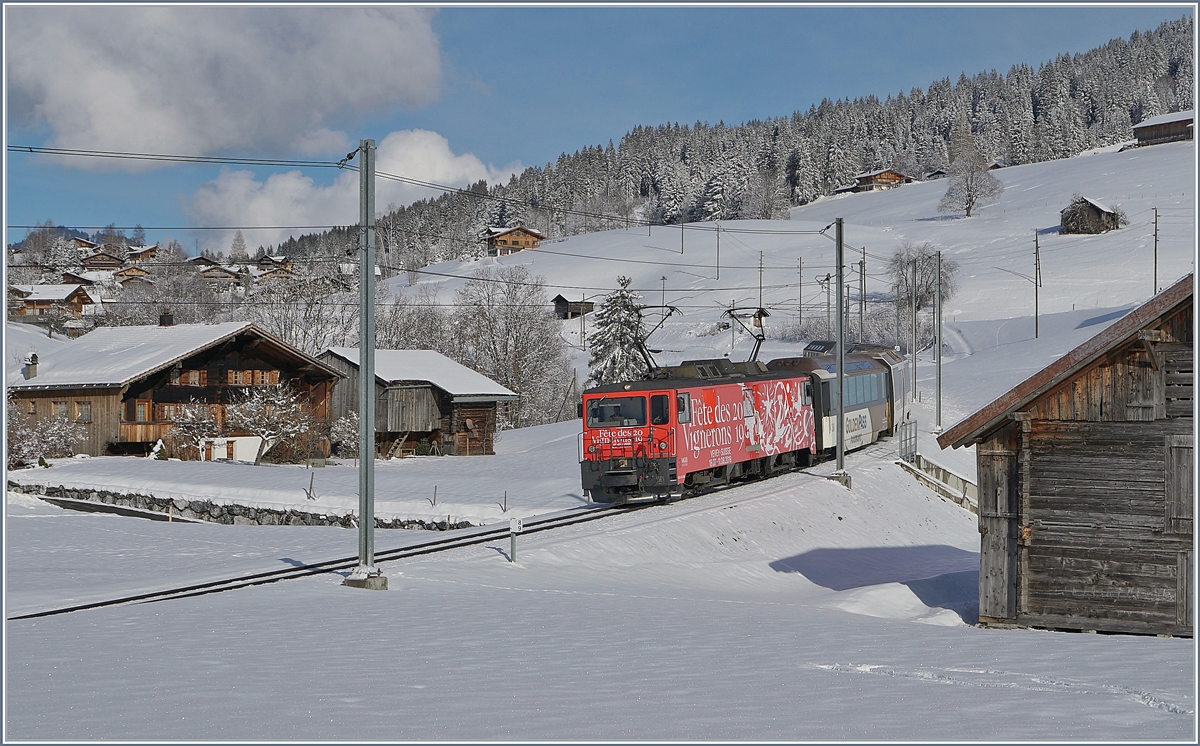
(174, 381)
(83, 411)
(1179, 484)
(60, 409)
(142, 412)
(32, 407)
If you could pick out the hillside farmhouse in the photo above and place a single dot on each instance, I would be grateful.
(422, 395)
(125, 385)
(1085, 482)
(39, 300)
(504, 241)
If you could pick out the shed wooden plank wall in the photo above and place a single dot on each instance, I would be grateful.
(1085, 498)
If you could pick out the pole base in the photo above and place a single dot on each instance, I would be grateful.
(366, 577)
(842, 478)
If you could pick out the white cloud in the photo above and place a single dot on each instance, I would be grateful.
(238, 198)
(202, 80)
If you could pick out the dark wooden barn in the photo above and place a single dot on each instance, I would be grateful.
(1165, 128)
(1086, 215)
(1085, 482)
(572, 309)
(422, 395)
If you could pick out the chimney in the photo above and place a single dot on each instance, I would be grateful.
(166, 319)
(30, 369)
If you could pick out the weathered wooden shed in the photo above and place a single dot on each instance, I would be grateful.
(1085, 482)
(1165, 128)
(1086, 215)
(571, 309)
(422, 395)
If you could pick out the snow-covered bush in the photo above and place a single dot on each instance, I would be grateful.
(30, 439)
(344, 435)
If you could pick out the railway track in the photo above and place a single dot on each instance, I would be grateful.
(480, 535)
(476, 536)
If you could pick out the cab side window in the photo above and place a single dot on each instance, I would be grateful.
(683, 408)
(660, 410)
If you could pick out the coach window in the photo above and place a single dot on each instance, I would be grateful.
(660, 411)
(683, 408)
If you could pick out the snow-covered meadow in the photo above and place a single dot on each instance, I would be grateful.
(792, 609)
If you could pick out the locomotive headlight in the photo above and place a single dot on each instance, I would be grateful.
(662, 444)
(591, 449)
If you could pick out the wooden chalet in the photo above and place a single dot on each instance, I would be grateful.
(886, 178)
(422, 395)
(504, 241)
(1165, 128)
(936, 173)
(274, 261)
(132, 273)
(83, 244)
(572, 309)
(1085, 482)
(143, 253)
(125, 385)
(39, 300)
(102, 260)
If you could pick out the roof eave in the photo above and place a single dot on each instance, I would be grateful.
(976, 426)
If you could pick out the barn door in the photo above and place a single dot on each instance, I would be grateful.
(998, 487)
(1179, 484)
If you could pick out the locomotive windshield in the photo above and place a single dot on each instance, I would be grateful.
(621, 411)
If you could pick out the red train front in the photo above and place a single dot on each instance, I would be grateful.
(704, 422)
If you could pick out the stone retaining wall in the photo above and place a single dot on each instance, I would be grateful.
(236, 515)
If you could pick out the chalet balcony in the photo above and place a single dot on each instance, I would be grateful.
(143, 432)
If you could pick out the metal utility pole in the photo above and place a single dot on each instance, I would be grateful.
(912, 293)
(841, 474)
(800, 302)
(862, 291)
(896, 294)
(937, 300)
(828, 310)
(1037, 280)
(760, 254)
(366, 575)
(718, 250)
(1155, 252)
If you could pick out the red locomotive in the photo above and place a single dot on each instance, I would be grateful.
(709, 422)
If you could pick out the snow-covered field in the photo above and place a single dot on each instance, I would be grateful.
(792, 609)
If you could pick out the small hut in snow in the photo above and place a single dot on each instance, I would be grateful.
(1086, 215)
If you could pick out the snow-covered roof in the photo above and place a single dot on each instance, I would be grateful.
(877, 173)
(427, 365)
(22, 339)
(116, 355)
(1098, 205)
(493, 232)
(47, 292)
(1179, 116)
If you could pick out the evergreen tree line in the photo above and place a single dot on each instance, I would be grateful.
(674, 172)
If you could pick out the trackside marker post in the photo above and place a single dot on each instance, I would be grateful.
(515, 526)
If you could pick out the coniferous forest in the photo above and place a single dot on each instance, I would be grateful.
(675, 172)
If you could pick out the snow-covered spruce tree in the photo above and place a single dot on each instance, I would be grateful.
(616, 341)
(194, 424)
(273, 413)
(237, 249)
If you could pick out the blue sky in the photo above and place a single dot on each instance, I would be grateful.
(502, 88)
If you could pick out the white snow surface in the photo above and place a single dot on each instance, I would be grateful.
(22, 339)
(427, 365)
(790, 609)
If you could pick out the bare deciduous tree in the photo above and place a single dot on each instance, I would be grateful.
(273, 413)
